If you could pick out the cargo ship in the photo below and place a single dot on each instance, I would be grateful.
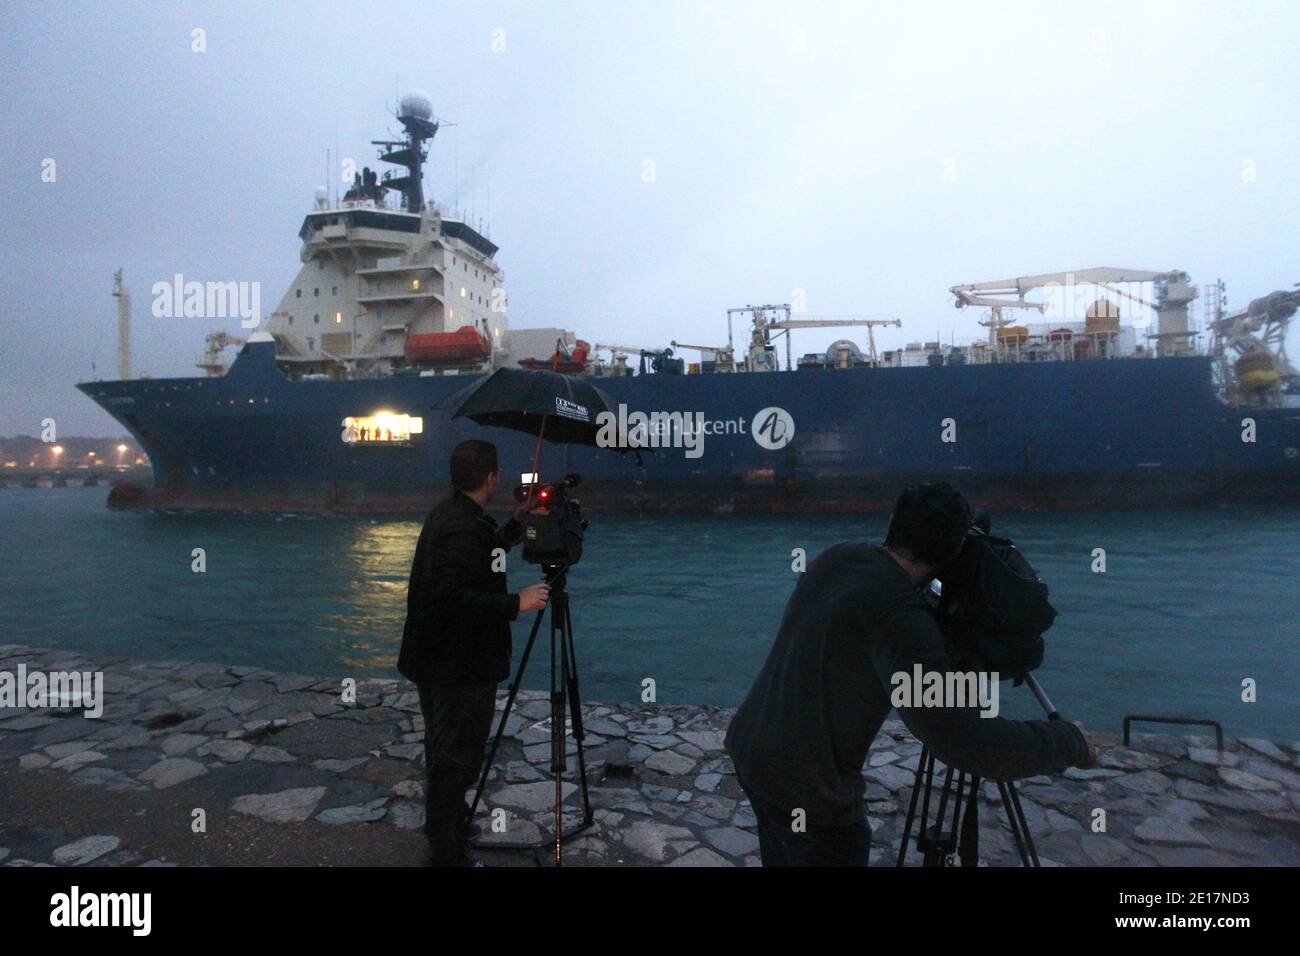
(339, 400)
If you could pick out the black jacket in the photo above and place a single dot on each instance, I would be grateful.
(802, 734)
(458, 613)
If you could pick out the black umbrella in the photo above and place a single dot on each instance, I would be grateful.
(561, 408)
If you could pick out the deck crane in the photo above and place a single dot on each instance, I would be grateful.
(776, 318)
(723, 355)
(213, 345)
(1173, 295)
(1249, 349)
(661, 360)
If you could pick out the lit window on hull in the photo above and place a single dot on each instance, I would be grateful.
(381, 428)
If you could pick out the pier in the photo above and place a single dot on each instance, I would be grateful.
(68, 477)
(305, 770)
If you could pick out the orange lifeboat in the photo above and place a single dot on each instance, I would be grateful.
(570, 363)
(462, 347)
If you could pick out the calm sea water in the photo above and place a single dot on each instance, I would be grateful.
(1192, 602)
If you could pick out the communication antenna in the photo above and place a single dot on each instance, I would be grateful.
(123, 298)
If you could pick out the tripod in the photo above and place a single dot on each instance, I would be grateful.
(937, 844)
(564, 695)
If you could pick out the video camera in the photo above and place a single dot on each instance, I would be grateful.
(992, 605)
(553, 527)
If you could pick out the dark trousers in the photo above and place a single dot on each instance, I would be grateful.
(457, 721)
(781, 845)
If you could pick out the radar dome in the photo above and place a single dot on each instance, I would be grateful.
(415, 104)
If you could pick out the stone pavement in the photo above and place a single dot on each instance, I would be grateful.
(286, 771)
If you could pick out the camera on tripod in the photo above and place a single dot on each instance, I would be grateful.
(553, 527)
(992, 605)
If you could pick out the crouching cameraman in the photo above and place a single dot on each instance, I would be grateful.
(856, 618)
(456, 642)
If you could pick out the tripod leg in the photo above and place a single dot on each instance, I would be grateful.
(575, 709)
(970, 826)
(558, 718)
(911, 808)
(1014, 821)
(1029, 852)
(937, 849)
(505, 715)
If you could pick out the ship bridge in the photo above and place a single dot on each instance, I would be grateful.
(389, 286)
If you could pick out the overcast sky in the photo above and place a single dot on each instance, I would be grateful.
(872, 154)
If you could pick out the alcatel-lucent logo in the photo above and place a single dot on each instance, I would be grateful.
(772, 428)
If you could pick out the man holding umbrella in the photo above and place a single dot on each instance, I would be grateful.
(456, 645)
(456, 642)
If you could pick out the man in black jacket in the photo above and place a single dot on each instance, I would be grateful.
(856, 618)
(456, 642)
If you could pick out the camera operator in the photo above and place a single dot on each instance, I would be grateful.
(856, 618)
(456, 642)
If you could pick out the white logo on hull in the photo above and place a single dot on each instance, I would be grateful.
(773, 428)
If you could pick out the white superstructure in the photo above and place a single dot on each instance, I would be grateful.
(383, 282)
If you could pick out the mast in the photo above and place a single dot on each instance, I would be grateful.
(123, 298)
(415, 113)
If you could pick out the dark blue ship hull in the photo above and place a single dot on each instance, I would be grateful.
(1037, 435)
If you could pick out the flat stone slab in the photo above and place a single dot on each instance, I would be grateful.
(359, 813)
(231, 751)
(1248, 781)
(74, 762)
(171, 771)
(670, 763)
(651, 840)
(732, 841)
(1169, 832)
(530, 797)
(85, 850)
(287, 806)
(1145, 781)
(179, 744)
(1265, 747)
(701, 856)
